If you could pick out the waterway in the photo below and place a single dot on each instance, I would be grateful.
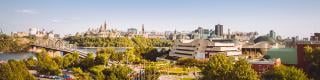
(16, 56)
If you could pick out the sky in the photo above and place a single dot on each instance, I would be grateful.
(286, 17)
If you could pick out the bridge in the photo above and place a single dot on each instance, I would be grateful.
(56, 47)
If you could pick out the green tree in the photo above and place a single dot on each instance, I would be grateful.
(101, 59)
(111, 54)
(285, 73)
(117, 42)
(59, 61)
(6, 72)
(151, 73)
(131, 56)
(46, 65)
(243, 71)
(71, 59)
(189, 62)
(13, 44)
(117, 73)
(313, 62)
(97, 72)
(87, 62)
(31, 63)
(80, 75)
(221, 67)
(15, 70)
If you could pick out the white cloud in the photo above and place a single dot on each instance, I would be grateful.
(56, 20)
(69, 19)
(27, 11)
(74, 18)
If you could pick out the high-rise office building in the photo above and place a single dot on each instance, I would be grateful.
(218, 30)
(142, 30)
(272, 34)
(132, 31)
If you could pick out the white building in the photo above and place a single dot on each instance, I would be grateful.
(200, 49)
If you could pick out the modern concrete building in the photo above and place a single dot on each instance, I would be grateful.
(218, 30)
(201, 33)
(272, 34)
(315, 37)
(132, 31)
(201, 49)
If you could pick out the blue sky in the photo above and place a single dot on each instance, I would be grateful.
(286, 17)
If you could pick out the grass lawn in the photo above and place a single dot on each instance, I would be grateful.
(179, 70)
(188, 79)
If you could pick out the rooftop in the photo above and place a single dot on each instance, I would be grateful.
(287, 55)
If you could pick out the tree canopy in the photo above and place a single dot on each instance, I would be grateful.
(151, 73)
(116, 42)
(117, 73)
(46, 65)
(14, 44)
(221, 67)
(15, 70)
(285, 73)
(313, 61)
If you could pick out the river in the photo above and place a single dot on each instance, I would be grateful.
(16, 56)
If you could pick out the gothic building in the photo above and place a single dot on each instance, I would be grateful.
(102, 31)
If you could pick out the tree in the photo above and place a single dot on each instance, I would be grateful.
(111, 54)
(13, 44)
(80, 75)
(117, 73)
(189, 62)
(151, 73)
(313, 62)
(70, 60)
(59, 61)
(131, 56)
(87, 62)
(6, 72)
(221, 67)
(46, 65)
(243, 71)
(117, 57)
(117, 42)
(30, 63)
(285, 73)
(97, 72)
(101, 59)
(15, 70)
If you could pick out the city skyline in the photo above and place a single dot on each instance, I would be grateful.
(287, 17)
